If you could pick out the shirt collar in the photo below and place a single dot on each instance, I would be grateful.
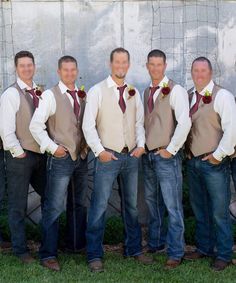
(208, 88)
(165, 80)
(112, 83)
(64, 88)
(23, 85)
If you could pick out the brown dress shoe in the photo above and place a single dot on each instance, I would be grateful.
(172, 263)
(144, 259)
(51, 263)
(219, 265)
(96, 266)
(194, 255)
(5, 246)
(26, 258)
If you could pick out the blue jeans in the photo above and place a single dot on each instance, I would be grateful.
(163, 188)
(233, 171)
(209, 189)
(104, 176)
(2, 180)
(21, 172)
(59, 173)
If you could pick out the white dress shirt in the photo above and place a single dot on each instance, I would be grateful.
(94, 99)
(9, 106)
(224, 105)
(179, 102)
(47, 108)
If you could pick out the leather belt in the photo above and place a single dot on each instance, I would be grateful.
(190, 155)
(155, 149)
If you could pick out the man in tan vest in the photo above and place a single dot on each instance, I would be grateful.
(25, 164)
(113, 128)
(167, 124)
(210, 142)
(57, 127)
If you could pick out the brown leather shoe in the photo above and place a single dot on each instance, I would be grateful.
(51, 263)
(172, 263)
(144, 259)
(27, 259)
(194, 255)
(5, 246)
(219, 265)
(96, 266)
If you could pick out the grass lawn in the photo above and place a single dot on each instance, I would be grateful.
(74, 269)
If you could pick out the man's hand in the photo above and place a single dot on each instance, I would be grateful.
(60, 152)
(137, 152)
(23, 155)
(164, 153)
(106, 156)
(211, 159)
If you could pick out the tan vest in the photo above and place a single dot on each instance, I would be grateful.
(23, 119)
(160, 123)
(63, 127)
(115, 129)
(206, 131)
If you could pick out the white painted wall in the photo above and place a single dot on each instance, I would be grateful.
(90, 29)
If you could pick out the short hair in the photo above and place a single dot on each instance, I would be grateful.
(67, 58)
(119, 50)
(22, 54)
(202, 59)
(156, 53)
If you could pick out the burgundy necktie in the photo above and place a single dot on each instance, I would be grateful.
(121, 100)
(35, 97)
(194, 108)
(150, 98)
(76, 103)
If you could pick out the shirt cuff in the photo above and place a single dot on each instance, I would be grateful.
(141, 144)
(172, 149)
(16, 151)
(51, 148)
(98, 150)
(219, 154)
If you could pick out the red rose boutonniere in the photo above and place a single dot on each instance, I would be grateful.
(165, 90)
(207, 98)
(81, 92)
(38, 92)
(131, 92)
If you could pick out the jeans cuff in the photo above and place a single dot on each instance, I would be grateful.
(94, 259)
(224, 259)
(204, 253)
(135, 254)
(46, 258)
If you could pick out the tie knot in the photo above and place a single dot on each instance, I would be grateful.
(198, 96)
(72, 93)
(153, 89)
(31, 91)
(122, 89)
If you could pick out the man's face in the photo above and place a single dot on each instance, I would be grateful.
(68, 72)
(201, 73)
(25, 68)
(120, 65)
(156, 67)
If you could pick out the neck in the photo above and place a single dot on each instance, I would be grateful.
(70, 86)
(118, 81)
(156, 82)
(28, 82)
(200, 88)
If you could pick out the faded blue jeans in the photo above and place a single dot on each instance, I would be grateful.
(209, 189)
(59, 173)
(104, 176)
(163, 188)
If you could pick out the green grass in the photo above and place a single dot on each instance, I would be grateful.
(117, 269)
